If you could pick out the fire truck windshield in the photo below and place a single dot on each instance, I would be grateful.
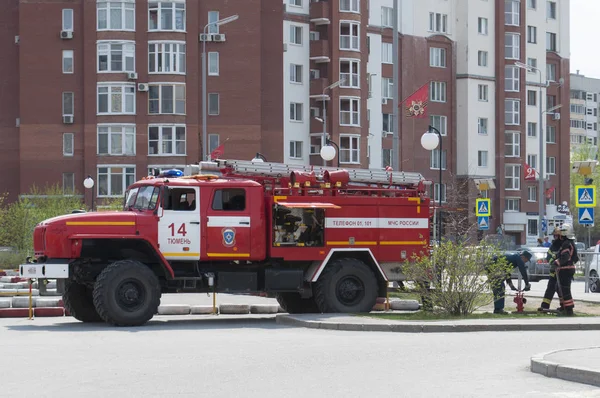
(130, 196)
(143, 198)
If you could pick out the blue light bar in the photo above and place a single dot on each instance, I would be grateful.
(171, 173)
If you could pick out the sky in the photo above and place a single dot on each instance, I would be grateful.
(585, 52)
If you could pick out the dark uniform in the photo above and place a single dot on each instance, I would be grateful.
(562, 258)
(498, 288)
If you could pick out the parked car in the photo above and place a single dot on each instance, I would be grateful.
(592, 256)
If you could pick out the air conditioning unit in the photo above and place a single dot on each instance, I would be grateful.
(205, 37)
(556, 116)
(143, 87)
(218, 37)
(384, 101)
(284, 47)
(132, 75)
(66, 34)
(68, 119)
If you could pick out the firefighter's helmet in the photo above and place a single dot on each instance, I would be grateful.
(566, 230)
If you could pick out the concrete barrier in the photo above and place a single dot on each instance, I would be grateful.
(15, 286)
(234, 309)
(14, 313)
(5, 302)
(34, 292)
(48, 312)
(173, 309)
(264, 308)
(23, 302)
(202, 310)
(43, 302)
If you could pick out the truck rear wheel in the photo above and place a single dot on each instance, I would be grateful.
(127, 293)
(79, 302)
(292, 303)
(346, 285)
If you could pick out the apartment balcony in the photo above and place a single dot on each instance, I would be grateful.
(319, 51)
(317, 86)
(319, 13)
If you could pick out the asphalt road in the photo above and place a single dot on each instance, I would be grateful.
(252, 356)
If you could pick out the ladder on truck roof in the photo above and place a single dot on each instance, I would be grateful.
(283, 170)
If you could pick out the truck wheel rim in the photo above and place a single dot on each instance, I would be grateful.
(131, 295)
(350, 290)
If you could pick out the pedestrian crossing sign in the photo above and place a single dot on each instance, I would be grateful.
(585, 196)
(483, 208)
(483, 223)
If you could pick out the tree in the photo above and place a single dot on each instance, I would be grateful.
(582, 153)
(457, 224)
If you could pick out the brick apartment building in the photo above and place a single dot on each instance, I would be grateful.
(112, 88)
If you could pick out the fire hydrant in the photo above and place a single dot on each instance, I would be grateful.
(520, 300)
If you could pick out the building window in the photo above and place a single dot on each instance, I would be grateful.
(68, 143)
(118, 140)
(551, 10)
(512, 112)
(482, 125)
(531, 98)
(296, 3)
(114, 180)
(532, 194)
(512, 48)
(440, 123)
(296, 111)
(166, 15)
(295, 73)
(483, 92)
(296, 34)
(167, 57)
(350, 73)
(166, 140)
(349, 36)
(116, 99)
(532, 4)
(387, 17)
(531, 34)
(296, 149)
(482, 58)
(512, 204)
(387, 87)
(552, 199)
(512, 79)
(577, 124)
(67, 61)
(532, 227)
(213, 17)
(482, 26)
(213, 142)
(512, 176)
(438, 22)
(116, 56)
(550, 41)
(436, 193)
(551, 165)
(551, 73)
(349, 111)
(166, 99)
(438, 91)
(386, 53)
(349, 149)
(213, 104)
(532, 161)
(115, 15)
(482, 158)
(68, 101)
(550, 101)
(386, 158)
(68, 183)
(531, 129)
(532, 62)
(67, 19)
(434, 162)
(437, 57)
(511, 12)
(512, 143)
(349, 5)
(213, 63)
(388, 123)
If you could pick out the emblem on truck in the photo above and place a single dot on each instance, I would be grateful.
(228, 237)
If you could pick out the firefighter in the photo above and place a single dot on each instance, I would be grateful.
(498, 289)
(563, 256)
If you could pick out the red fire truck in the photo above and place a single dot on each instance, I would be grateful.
(319, 239)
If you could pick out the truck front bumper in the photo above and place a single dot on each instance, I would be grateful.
(51, 270)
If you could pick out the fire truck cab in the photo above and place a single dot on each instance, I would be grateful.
(319, 239)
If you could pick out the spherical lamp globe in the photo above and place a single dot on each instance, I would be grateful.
(88, 182)
(430, 141)
(328, 152)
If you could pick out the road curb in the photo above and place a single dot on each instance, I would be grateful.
(430, 327)
(577, 374)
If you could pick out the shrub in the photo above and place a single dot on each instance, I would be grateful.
(11, 260)
(457, 278)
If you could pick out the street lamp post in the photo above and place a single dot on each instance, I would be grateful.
(430, 141)
(324, 138)
(88, 183)
(204, 90)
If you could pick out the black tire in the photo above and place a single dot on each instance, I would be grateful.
(594, 282)
(79, 301)
(127, 293)
(346, 285)
(292, 303)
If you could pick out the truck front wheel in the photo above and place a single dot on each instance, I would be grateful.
(346, 285)
(127, 293)
(79, 302)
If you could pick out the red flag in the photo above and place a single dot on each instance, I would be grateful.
(529, 173)
(217, 152)
(416, 104)
(549, 192)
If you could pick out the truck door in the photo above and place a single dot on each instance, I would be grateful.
(179, 226)
(228, 229)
